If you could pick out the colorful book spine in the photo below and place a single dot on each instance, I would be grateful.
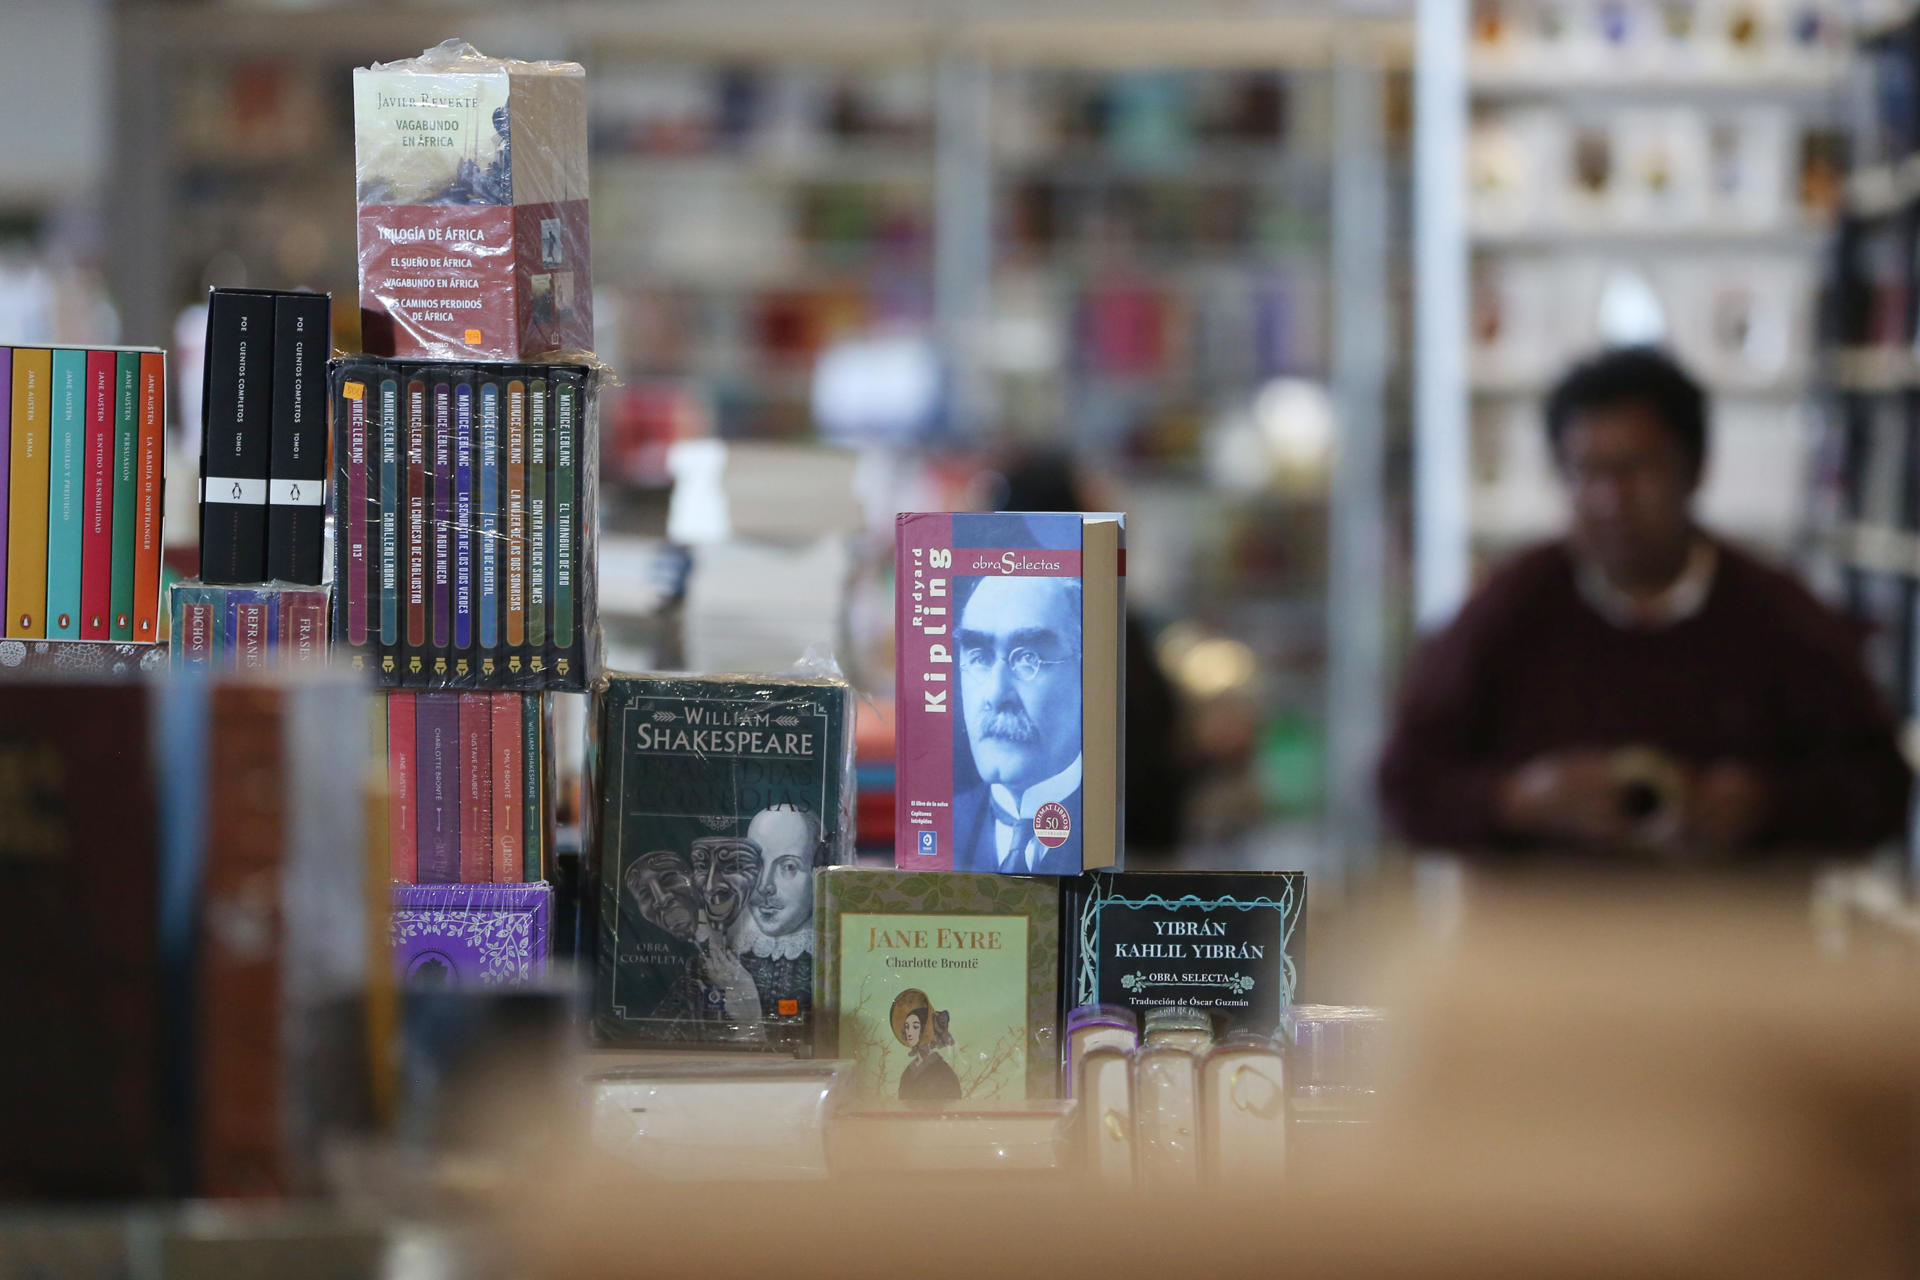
(516, 585)
(438, 717)
(440, 619)
(509, 818)
(6, 463)
(251, 630)
(390, 529)
(357, 535)
(196, 626)
(66, 480)
(539, 431)
(32, 419)
(568, 406)
(464, 666)
(296, 511)
(237, 436)
(418, 546)
(126, 488)
(489, 527)
(403, 822)
(477, 813)
(150, 475)
(96, 517)
(535, 801)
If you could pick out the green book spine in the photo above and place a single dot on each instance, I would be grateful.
(126, 460)
(567, 407)
(533, 791)
(64, 498)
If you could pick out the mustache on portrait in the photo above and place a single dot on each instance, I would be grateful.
(1011, 726)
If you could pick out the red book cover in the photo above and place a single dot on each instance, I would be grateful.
(507, 800)
(240, 939)
(96, 528)
(146, 525)
(476, 790)
(303, 628)
(402, 789)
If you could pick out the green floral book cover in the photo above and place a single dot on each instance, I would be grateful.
(939, 987)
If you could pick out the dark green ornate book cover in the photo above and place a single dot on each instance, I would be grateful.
(718, 798)
(940, 987)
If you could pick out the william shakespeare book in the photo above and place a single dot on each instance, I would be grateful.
(1220, 942)
(719, 796)
(940, 989)
(1008, 672)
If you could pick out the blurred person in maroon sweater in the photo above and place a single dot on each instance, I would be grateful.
(1640, 685)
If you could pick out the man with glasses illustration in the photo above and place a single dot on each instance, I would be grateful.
(1018, 644)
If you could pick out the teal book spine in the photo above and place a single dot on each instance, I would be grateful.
(126, 459)
(65, 479)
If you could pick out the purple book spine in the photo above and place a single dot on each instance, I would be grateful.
(6, 454)
(443, 430)
(437, 762)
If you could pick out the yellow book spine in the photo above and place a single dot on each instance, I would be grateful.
(27, 495)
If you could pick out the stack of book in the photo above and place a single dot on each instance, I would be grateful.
(81, 460)
(469, 787)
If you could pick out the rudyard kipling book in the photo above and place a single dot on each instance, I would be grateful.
(941, 989)
(1222, 942)
(718, 797)
(1008, 670)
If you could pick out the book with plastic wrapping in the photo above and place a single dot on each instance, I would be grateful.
(470, 935)
(717, 797)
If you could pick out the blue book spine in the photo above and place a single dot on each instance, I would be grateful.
(66, 475)
(463, 529)
(489, 525)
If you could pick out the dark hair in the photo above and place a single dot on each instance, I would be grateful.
(1634, 375)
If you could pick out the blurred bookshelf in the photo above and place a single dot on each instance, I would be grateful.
(1665, 173)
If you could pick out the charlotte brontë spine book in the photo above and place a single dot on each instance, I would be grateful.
(999, 635)
(419, 544)
(126, 490)
(440, 607)
(458, 387)
(96, 535)
(296, 514)
(65, 481)
(237, 436)
(940, 988)
(716, 797)
(514, 525)
(437, 762)
(488, 621)
(356, 499)
(539, 432)
(1222, 942)
(27, 475)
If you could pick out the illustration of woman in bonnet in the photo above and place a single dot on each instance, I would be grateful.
(927, 1078)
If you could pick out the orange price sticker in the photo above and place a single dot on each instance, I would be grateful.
(354, 391)
(789, 1008)
(473, 337)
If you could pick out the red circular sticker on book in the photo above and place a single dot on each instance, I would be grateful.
(1052, 824)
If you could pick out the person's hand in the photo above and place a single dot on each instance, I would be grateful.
(1726, 808)
(1573, 797)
